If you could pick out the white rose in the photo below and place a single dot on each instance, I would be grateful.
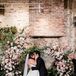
(5, 66)
(6, 60)
(10, 68)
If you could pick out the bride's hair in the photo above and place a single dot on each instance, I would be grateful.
(31, 54)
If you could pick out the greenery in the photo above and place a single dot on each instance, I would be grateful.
(26, 51)
(52, 71)
(65, 56)
(6, 34)
(2, 72)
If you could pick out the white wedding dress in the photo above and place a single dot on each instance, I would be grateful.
(30, 72)
(33, 72)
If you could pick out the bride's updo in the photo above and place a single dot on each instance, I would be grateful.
(31, 55)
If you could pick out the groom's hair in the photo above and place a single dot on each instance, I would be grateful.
(37, 52)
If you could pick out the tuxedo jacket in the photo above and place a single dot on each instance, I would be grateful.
(41, 67)
(74, 63)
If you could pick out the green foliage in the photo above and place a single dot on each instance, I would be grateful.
(13, 30)
(52, 72)
(20, 67)
(66, 53)
(2, 72)
(7, 34)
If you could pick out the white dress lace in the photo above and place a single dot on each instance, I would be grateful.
(33, 72)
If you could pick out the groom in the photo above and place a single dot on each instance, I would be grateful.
(40, 64)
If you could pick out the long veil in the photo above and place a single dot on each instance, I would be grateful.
(26, 65)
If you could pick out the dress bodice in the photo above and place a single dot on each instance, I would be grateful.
(32, 65)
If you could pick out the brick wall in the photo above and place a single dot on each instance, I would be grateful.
(48, 19)
(16, 14)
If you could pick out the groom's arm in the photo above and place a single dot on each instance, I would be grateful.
(34, 68)
(40, 63)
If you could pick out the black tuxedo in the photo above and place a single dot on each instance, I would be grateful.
(74, 63)
(41, 67)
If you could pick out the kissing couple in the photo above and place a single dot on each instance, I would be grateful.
(34, 65)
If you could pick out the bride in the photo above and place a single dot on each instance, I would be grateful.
(29, 63)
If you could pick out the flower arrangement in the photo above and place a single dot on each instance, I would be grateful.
(12, 62)
(6, 36)
(13, 59)
(62, 65)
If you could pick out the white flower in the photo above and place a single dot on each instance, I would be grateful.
(12, 48)
(22, 38)
(5, 66)
(6, 60)
(9, 64)
(19, 46)
(19, 71)
(8, 42)
(10, 74)
(15, 47)
(14, 57)
(17, 50)
(16, 72)
(11, 43)
(6, 71)
(10, 68)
